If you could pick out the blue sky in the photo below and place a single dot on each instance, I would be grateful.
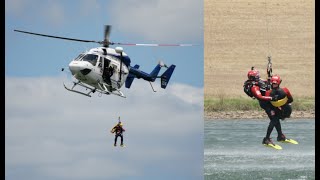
(55, 134)
(132, 21)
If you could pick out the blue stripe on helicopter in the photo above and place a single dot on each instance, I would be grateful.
(125, 59)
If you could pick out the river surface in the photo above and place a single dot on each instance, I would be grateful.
(233, 150)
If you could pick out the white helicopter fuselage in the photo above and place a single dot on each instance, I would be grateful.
(89, 68)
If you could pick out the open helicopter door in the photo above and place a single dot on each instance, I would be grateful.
(106, 72)
(115, 76)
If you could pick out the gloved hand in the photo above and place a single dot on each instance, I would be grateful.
(274, 98)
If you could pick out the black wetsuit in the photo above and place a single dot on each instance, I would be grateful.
(278, 113)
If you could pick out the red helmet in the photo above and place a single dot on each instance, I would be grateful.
(253, 75)
(276, 79)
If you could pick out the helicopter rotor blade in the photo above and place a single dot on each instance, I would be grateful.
(58, 37)
(130, 44)
(106, 42)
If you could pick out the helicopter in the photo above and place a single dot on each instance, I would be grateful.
(104, 69)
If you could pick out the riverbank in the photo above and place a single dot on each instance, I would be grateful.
(253, 114)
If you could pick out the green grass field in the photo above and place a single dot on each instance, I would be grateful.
(222, 103)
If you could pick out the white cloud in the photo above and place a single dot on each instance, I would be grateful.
(59, 134)
(91, 168)
(187, 93)
(154, 21)
(160, 20)
(89, 7)
(49, 12)
(54, 13)
(15, 7)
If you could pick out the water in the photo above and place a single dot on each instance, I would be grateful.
(233, 150)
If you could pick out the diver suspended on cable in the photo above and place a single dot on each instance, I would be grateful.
(118, 130)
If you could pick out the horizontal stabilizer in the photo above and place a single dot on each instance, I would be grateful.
(165, 77)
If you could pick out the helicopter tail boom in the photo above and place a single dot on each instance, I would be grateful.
(131, 77)
(136, 73)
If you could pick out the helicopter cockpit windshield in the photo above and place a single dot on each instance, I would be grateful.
(91, 58)
(79, 57)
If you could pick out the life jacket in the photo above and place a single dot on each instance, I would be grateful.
(114, 128)
(264, 87)
(117, 129)
(282, 97)
(248, 85)
(247, 88)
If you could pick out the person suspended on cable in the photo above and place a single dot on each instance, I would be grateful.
(281, 106)
(118, 130)
(256, 88)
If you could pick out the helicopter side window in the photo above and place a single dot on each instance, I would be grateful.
(91, 58)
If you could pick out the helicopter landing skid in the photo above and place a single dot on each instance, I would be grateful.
(118, 93)
(107, 87)
(93, 90)
(72, 90)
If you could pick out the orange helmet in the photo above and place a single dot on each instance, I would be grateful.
(276, 79)
(253, 75)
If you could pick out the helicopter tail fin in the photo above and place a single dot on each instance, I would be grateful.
(165, 77)
(131, 77)
(155, 72)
